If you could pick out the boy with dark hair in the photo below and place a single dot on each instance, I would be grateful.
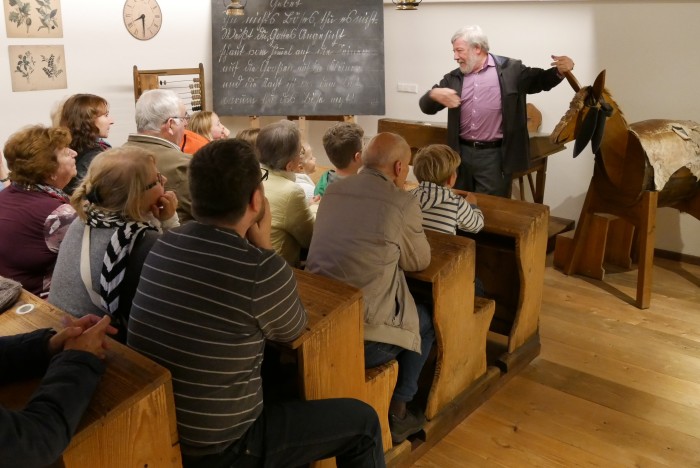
(343, 145)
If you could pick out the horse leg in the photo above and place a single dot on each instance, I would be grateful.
(582, 232)
(646, 212)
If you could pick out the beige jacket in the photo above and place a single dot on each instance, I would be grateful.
(292, 220)
(173, 164)
(367, 233)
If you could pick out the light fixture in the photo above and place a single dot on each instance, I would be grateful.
(236, 8)
(406, 4)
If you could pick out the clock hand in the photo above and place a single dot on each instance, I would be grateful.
(143, 23)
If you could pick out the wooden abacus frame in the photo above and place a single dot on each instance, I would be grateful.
(149, 79)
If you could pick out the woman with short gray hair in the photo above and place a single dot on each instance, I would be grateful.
(279, 147)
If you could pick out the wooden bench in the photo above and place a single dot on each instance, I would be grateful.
(510, 261)
(460, 328)
(330, 354)
(131, 418)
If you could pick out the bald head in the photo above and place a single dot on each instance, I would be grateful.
(384, 151)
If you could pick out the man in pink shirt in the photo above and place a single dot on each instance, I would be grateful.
(487, 117)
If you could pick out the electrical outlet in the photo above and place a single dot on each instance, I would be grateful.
(407, 88)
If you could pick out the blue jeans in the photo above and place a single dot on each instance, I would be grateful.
(481, 171)
(410, 362)
(295, 433)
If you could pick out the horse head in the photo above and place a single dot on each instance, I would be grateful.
(585, 119)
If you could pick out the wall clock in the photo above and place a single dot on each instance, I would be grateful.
(142, 18)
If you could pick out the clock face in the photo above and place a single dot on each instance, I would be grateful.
(142, 18)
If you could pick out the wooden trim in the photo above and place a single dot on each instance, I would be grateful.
(677, 256)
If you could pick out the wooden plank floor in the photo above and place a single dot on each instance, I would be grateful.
(614, 386)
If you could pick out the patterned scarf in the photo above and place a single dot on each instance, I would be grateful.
(117, 254)
(53, 192)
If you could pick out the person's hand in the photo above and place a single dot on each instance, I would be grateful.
(471, 198)
(563, 64)
(74, 328)
(259, 233)
(225, 132)
(448, 97)
(166, 206)
(91, 340)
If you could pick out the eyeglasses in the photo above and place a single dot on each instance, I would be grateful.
(186, 117)
(265, 174)
(159, 180)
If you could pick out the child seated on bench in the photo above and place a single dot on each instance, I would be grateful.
(435, 167)
(343, 145)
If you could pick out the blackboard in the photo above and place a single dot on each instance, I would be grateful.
(299, 57)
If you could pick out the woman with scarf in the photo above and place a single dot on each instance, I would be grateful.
(34, 211)
(122, 208)
(87, 117)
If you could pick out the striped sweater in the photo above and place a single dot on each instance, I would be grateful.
(205, 305)
(444, 211)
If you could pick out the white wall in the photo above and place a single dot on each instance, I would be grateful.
(647, 48)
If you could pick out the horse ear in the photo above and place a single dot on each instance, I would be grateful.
(586, 131)
(599, 85)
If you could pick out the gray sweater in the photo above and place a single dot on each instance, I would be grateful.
(67, 289)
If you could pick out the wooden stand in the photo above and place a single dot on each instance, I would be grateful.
(151, 79)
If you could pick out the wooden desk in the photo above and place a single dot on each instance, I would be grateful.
(460, 328)
(510, 260)
(131, 418)
(331, 352)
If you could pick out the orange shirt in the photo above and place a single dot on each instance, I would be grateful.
(192, 141)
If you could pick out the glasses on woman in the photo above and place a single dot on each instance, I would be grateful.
(159, 180)
(265, 174)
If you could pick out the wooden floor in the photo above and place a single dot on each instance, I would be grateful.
(613, 386)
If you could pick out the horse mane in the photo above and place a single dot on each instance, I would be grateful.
(575, 107)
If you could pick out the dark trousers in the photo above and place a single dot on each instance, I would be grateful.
(410, 362)
(481, 171)
(295, 433)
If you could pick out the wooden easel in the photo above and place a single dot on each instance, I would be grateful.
(153, 79)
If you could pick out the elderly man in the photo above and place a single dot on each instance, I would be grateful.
(368, 232)
(487, 116)
(160, 122)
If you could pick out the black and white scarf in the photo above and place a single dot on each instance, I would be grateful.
(117, 254)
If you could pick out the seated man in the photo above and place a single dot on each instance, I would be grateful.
(343, 145)
(39, 433)
(211, 293)
(368, 232)
(160, 122)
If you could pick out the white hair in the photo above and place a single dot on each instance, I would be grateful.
(472, 35)
(155, 107)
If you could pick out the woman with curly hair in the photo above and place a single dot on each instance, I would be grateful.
(34, 210)
(87, 117)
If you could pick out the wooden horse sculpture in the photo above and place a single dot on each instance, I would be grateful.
(637, 168)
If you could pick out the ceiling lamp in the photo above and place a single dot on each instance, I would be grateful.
(235, 8)
(406, 4)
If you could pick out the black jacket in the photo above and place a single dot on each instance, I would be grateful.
(37, 435)
(516, 82)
